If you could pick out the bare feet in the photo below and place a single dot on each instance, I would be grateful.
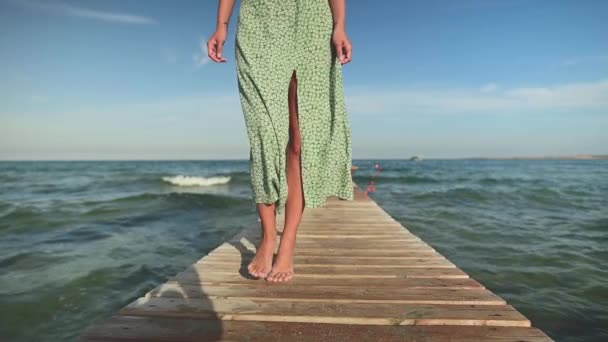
(282, 270)
(261, 264)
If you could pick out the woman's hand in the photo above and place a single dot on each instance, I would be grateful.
(344, 48)
(215, 45)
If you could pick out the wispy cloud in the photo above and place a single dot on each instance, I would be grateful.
(201, 57)
(488, 87)
(67, 9)
(577, 60)
(579, 97)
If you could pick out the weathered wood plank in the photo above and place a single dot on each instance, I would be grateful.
(352, 243)
(336, 262)
(344, 313)
(353, 233)
(333, 294)
(302, 259)
(399, 282)
(367, 237)
(325, 271)
(248, 247)
(226, 253)
(355, 225)
(149, 328)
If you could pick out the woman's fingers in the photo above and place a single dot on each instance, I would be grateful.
(344, 50)
(340, 51)
(219, 49)
(211, 49)
(348, 51)
(214, 50)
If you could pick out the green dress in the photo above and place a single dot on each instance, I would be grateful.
(274, 38)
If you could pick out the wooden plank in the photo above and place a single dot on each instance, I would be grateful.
(360, 244)
(326, 294)
(367, 237)
(345, 229)
(300, 259)
(149, 328)
(377, 233)
(399, 282)
(350, 221)
(343, 313)
(363, 215)
(333, 252)
(345, 272)
(225, 253)
(353, 243)
(389, 241)
(350, 232)
(323, 223)
(320, 247)
(346, 263)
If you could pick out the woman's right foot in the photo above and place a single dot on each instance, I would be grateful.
(261, 264)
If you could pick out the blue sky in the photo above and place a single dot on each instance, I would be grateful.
(128, 79)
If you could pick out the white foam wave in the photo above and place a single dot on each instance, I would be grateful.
(196, 181)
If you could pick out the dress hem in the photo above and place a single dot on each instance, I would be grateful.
(348, 196)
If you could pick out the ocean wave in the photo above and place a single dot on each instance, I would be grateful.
(30, 260)
(455, 195)
(25, 219)
(181, 180)
(507, 181)
(119, 205)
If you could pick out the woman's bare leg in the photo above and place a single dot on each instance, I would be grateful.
(282, 270)
(262, 262)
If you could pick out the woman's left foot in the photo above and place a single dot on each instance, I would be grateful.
(282, 270)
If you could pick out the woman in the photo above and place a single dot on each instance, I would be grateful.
(288, 64)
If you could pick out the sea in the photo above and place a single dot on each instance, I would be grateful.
(81, 239)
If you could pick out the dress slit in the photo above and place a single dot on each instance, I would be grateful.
(297, 95)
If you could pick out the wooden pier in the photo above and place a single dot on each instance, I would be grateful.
(360, 276)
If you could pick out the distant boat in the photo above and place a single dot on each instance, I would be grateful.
(416, 158)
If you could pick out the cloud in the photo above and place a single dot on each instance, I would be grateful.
(201, 57)
(578, 60)
(81, 12)
(581, 97)
(488, 87)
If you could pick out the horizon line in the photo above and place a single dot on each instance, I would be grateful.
(531, 157)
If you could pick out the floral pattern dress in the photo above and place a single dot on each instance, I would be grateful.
(274, 38)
